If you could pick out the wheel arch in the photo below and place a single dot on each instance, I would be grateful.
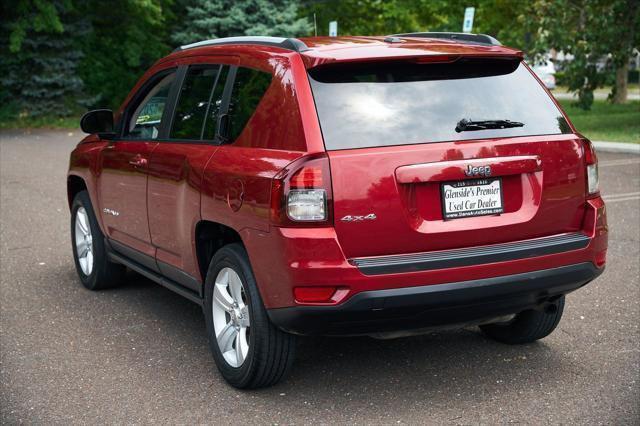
(209, 238)
(75, 184)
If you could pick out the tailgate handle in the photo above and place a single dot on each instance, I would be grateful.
(458, 169)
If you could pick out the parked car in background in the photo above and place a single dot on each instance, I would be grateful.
(547, 73)
(380, 186)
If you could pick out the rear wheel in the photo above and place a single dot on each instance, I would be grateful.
(94, 268)
(527, 326)
(249, 351)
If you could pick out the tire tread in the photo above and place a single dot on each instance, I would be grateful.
(273, 349)
(105, 274)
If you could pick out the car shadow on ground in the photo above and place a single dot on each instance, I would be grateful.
(462, 362)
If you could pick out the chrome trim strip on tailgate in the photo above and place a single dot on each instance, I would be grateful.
(470, 255)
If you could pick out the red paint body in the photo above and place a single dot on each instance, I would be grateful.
(164, 189)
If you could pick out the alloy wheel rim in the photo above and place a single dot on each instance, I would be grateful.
(84, 241)
(231, 320)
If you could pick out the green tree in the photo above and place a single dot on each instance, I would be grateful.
(39, 58)
(599, 34)
(502, 19)
(126, 37)
(207, 19)
(499, 18)
(377, 17)
(623, 36)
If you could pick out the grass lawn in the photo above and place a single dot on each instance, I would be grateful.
(631, 88)
(7, 122)
(606, 122)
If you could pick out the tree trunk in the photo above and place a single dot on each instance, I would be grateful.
(622, 76)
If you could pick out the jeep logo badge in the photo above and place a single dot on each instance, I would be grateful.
(478, 171)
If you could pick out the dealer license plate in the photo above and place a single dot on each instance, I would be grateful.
(466, 198)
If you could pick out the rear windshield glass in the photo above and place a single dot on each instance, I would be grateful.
(406, 103)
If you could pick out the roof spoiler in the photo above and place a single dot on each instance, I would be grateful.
(483, 39)
(284, 43)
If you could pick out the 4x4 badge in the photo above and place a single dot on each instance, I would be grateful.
(350, 218)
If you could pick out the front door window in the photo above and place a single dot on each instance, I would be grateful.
(145, 120)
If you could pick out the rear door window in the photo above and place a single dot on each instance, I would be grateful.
(195, 110)
(215, 106)
(407, 103)
(248, 88)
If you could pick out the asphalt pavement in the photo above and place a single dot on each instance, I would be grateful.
(138, 354)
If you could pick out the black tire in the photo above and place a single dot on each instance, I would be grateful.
(271, 351)
(527, 326)
(104, 274)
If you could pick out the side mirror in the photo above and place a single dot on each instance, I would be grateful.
(98, 121)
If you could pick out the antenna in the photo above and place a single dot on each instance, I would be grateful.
(315, 25)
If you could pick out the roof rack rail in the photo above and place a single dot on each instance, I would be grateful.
(464, 37)
(284, 43)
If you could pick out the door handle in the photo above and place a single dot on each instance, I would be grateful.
(138, 161)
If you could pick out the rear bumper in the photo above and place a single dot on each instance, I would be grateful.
(418, 307)
(285, 258)
(472, 256)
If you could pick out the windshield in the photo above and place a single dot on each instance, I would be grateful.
(366, 105)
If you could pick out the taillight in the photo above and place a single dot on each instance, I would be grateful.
(301, 193)
(591, 161)
(307, 205)
(593, 179)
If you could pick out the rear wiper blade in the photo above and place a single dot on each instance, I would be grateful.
(465, 125)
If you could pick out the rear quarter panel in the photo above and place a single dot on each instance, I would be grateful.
(237, 180)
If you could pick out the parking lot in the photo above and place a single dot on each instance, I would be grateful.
(138, 354)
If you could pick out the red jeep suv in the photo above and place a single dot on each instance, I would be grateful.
(380, 186)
